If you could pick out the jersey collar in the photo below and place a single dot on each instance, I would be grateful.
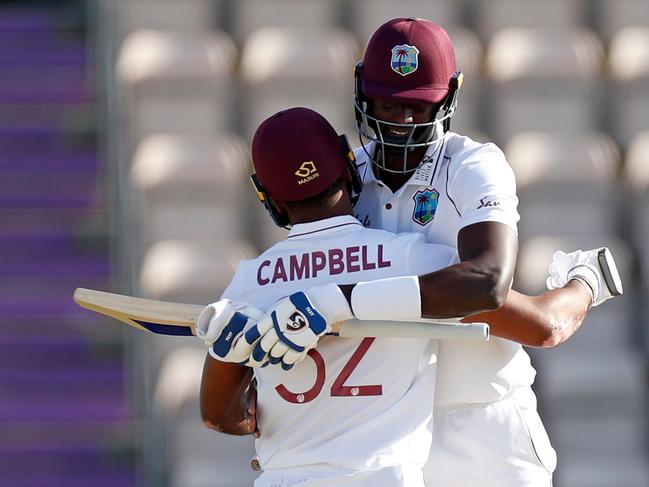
(328, 225)
(422, 176)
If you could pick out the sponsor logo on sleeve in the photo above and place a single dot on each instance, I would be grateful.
(487, 203)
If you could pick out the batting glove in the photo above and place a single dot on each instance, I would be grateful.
(222, 326)
(595, 268)
(294, 325)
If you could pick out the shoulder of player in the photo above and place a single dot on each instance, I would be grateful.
(358, 235)
(417, 255)
(467, 158)
(464, 150)
(360, 154)
(412, 240)
(362, 157)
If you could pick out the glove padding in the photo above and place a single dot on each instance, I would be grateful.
(585, 266)
(294, 325)
(222, 326)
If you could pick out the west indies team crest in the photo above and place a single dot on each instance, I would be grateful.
(404, 59)
(425, 206)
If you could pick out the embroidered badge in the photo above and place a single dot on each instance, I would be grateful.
(425, 206)
(404, 59)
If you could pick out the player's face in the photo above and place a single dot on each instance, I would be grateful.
(407, 114)
(398, 112)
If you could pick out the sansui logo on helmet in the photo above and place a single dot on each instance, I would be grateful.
(404, 59)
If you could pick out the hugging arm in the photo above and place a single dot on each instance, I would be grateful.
(577, 281)
(480, 281)
(223, 394)
(539, 321)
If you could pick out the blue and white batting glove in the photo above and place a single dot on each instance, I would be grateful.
(595, 268)
(222, 326)
(294, 325)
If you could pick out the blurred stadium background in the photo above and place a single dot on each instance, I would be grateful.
(124, 156)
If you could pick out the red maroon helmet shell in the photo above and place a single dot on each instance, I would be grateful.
(297, 154)
(409, 60)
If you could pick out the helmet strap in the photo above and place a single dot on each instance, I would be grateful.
(280, 219)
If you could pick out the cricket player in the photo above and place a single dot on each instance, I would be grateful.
(418, 176)
(348, 414)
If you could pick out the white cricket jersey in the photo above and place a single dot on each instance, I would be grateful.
(354, 403)
(460, 182)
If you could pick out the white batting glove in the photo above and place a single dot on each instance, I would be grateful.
(222, 326)
(294, 325)
(595, 268)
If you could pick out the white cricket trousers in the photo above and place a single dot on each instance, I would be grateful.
(501, 443)
(317, 476)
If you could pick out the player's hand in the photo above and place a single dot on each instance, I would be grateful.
(294, 325)
(249, 403)
(222, 326)
(595, 268)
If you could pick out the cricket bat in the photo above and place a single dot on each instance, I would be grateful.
(168, 318)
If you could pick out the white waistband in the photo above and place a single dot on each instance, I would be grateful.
(523, 395)
(281, 476)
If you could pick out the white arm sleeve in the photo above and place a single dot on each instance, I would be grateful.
(399, 298)
(423, 257)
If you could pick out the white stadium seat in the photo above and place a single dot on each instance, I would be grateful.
(629, 69)
(190, 272)
(615, 15)
(192, 187)
(543, 80)
(636, 167)
(550, 157)
(368, 15)
(283, 68)
(495, 15)
(636, 180)
(171, 15)
(249, 16)
(178, 82)
(566, 183)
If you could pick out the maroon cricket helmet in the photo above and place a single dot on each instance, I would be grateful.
(297, 154)
(410, 60)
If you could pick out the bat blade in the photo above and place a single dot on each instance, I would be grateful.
(167, 318)
(160, 317)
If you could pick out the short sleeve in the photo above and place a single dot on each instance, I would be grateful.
(482, 186)
(234, 291)
(422, 257)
